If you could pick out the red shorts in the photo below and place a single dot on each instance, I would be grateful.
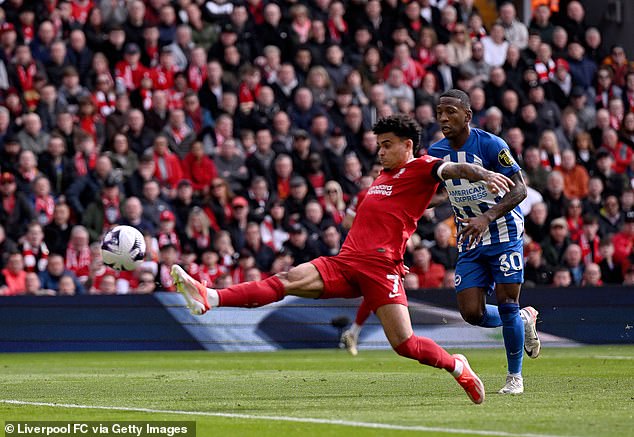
(378, 280)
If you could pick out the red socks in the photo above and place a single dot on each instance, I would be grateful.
(252, 294)
(426, 351)
(362, 313)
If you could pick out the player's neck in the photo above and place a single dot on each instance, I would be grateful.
(459, 141)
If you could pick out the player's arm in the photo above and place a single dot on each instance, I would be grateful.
(496, 182)
(472, 229)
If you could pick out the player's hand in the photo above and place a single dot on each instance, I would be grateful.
(497, 182)
(472, 229)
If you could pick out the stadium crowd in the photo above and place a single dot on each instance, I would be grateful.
(236, 135)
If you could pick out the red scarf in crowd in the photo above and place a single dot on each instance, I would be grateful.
(169, 238)
(87, 123)
(35, 259)
(28, 33)
(104, 102)
(78, 261)
(26, 74)
(208, 274)
(196, 76)
(84, 164)
(111, 212)
(44, 207)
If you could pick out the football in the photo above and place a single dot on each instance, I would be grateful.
(123, 248)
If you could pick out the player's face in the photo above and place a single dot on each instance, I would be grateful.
(394, 152)
(453, 117)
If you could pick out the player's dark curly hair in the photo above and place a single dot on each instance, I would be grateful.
(401, 125)
(460, 95)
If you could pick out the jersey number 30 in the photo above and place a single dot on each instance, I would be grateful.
(513, 261)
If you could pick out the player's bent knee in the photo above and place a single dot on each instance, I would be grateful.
(472, 317)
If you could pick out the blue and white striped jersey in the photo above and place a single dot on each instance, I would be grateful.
(470, 199)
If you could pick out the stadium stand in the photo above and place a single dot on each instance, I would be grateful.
(235, 134)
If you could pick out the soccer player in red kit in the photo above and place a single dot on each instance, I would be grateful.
(370, 263)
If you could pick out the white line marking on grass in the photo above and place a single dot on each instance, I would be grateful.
(283, 419)
(613, 357)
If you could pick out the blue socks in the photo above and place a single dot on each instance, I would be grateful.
(513, 333)
(491, 317)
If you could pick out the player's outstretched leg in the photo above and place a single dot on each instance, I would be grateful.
(350, 336)
(201, 299)
(532, 345)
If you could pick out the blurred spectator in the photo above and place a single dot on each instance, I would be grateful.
(592, 276)
(611, 217)
(42, 201)
(34, 249)
(430, 274)
(57, 232)
(624, 240)
(104, 212)
(554, 196)
(614, 183)
(53, 276)
(197, 231)
(299, 247)
(32, 137)
(574, 219)
(582, 69)
(153, 203)
(147, 284)
(78, 258)
(621, 152)
(199, 169)
(124, 160)
(556, 243)
(57, 167)
(33, 287)
(132, 215)
(562, 278)
(536, 272)
(295, 203)
(588, 239)
(167, 166)
(611, 270)
(107, 286)
(230, 165)
(13, 276)
(86, 189)
(584, 150)
(443, 252)
(239, 220)
(541, 23)
(573, 261)
(515, 32)
(330, 241)
(477, 67)
(179, 134)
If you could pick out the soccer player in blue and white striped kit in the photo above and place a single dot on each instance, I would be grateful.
(490, 231)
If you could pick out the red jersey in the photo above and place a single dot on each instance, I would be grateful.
(391, 208)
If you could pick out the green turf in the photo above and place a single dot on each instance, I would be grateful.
(585, 391)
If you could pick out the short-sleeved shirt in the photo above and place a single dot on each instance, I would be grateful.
(471, 199)
(391, 208)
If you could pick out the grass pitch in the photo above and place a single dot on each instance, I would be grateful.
(585, 391)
